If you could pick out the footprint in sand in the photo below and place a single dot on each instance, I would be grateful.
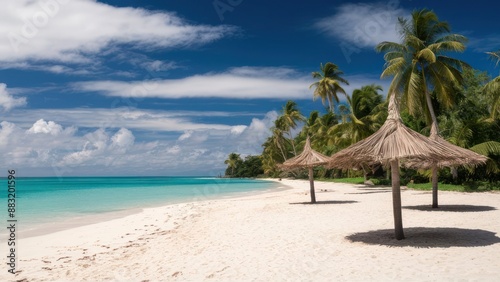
(177, 273)
(62, 258)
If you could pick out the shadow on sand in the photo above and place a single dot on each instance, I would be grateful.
(371, 192)
(324, 203)
(421, 237)
(372, 188)
(452, 208)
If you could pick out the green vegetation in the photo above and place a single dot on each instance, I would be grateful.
(328, 84)
(422, 69)
(493, 88)
(251, 166)
(466, 187)
(355, 180)
(439, 95)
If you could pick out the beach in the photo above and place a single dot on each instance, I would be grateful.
(279, 236)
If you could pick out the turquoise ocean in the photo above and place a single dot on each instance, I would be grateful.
(48, 200)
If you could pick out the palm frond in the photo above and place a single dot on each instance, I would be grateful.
(395, 66)
(391, 55)
(427, 55)
(414, 92)
(495, 56)
(455, 63)
(452, 37)
(447, 46)
(487, 148)
(461, 136)
(387, 46)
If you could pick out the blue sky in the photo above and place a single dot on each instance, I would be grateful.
(172, 87)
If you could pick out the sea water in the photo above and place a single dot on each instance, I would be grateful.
(49, 200)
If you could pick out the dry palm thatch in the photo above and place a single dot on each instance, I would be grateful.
(467, 158)
(391, 144)
(394, 141)
(308, 158)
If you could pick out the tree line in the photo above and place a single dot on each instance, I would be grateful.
(439, 95)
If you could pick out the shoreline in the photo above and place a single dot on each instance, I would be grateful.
(68, 222)
(278, 236)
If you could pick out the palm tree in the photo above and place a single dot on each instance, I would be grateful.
(232, 161)
(268, 162)
(323, 142)
(310, 126)
(364, 100)
(420, 66)
(290, 116)
(495, 56)
(328, 84)
(493, 87)
(467, 125)
(278, 136)
(362, 117)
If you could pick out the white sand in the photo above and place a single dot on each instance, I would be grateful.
(270, 237)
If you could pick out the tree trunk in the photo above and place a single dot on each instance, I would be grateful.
(311, 182)
(293, 143)
(330, 103)
(396, 200)
(454, 172)
(365, 173)
(282, 153)
(434, 134)
(434, 186)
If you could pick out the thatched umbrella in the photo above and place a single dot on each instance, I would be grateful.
(308, 158)
(391, 144)
(468, 157)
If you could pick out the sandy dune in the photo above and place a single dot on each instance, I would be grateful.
(278, 236)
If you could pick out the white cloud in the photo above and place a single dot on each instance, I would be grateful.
(123, 138)
(41, 126)
(195, 136)
(7, 129)
(249, 141)
(174, 150)
(145, 120)
(157, 65)
(185, 135)
(68, 31)
(487, 43)
(238, 83)
(364, 24)
(100, 148)
(107, 151)
(238, 129)
(59, 68)
(7, 101)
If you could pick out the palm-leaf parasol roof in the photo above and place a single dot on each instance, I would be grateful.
(467, 157)
(394, 140)
(397, 144)
(308, 158)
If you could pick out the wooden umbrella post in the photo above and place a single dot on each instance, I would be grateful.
(308, 158)
(311, 182)
(396, 200)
